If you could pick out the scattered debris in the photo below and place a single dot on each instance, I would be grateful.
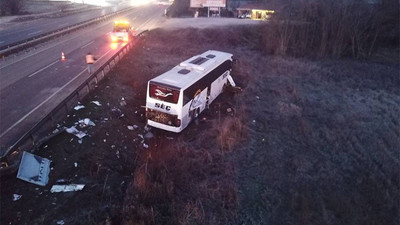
(78, 107)
(229, 110)
(75, 164)
(34, 169)
(122, 102)
(117, 154)
(145, 145)
(60, 222)
(86, 122)
(76, 132)
(149, 135)
(80, 141)
(131, 128)
(96, 103)
(16, 197)
(66, 188)
(147, 128)
(117, 112)
(62, 181)
(257, 97)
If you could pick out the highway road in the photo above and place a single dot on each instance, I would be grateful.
(33, 83)
(13, 32)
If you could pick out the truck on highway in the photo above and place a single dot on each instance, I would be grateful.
(122, 31)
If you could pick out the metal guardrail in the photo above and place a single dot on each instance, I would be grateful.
(20, 45)
(42, 128)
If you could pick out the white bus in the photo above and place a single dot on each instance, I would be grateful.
(178, 96)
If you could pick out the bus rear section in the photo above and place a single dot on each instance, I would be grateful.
(162, 109)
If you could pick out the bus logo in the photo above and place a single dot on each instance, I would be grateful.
(162, 94)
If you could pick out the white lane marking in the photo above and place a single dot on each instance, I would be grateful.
(61, 25)
(33, 74)
(47, 99)
(87, 44)
(36, 32)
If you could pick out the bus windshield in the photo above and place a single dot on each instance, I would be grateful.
(163, 93)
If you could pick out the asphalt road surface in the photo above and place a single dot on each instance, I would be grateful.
(33, 83)
(28, 29)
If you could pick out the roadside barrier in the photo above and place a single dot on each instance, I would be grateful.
(41, 131)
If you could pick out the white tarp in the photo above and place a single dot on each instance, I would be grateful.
(34, 169)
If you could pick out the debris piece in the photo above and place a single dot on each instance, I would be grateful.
(75, 164)
(34, 169)
(96, 103)
(131, 128)
(141, 136)
(60, 222)
(149, 135)
(229, 110)
(16, 197)
(76, 132)
(169, 138)
(122, 102)
(257, 97)
(78, 107)
(145, 145)
(62, 181)
(66, 188)
(86, 122)
(117, 154)
(80, 141)
(147, 128)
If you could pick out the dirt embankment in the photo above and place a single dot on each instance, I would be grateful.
(306, 142)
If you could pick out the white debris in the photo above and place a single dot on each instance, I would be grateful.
(76, 164)
(60, 222)
(76, 132)
(141, 136)
(78, 107)
(80, 141)
(67, 188)
(131, 128)
(149, 135)
(257, 97)
(145, 145)
(16, 197)
(122, 102)
(86, 122)
(96, 103)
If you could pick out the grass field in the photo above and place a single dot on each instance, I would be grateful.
(305, 142)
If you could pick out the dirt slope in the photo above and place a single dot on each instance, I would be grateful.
(306, 142)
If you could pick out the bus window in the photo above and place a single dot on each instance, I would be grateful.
(164, 93)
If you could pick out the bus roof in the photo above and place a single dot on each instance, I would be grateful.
(191, 70)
